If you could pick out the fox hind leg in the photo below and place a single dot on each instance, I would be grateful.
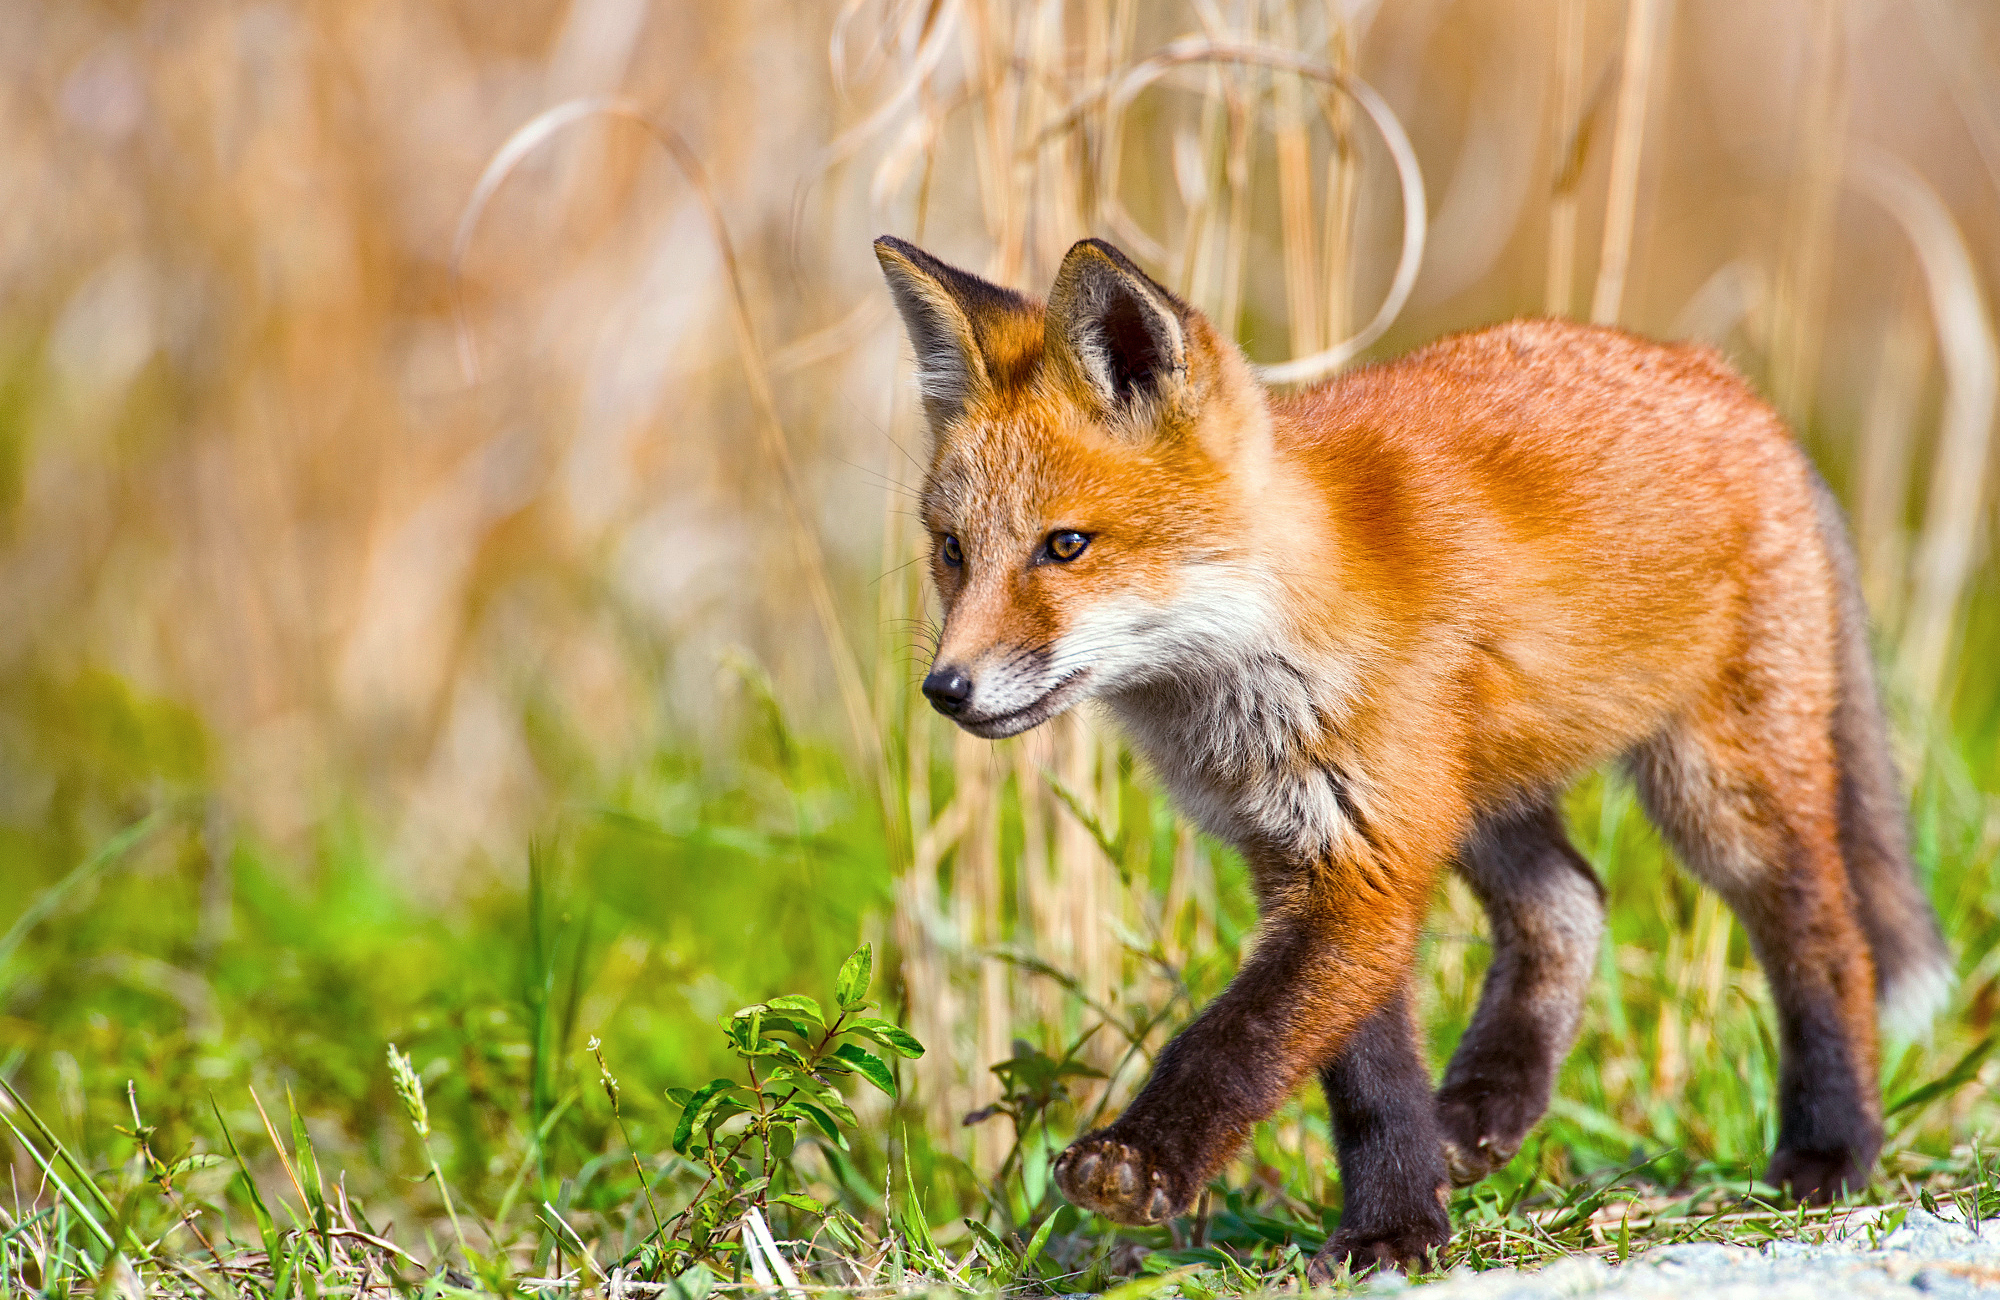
(1546, 910)
(1747, 795)
(1392, 1176)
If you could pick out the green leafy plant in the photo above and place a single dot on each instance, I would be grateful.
(744, 1132)
(1031, 1083)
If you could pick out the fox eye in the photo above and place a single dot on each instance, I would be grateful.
(954, 555)
(1067, 545)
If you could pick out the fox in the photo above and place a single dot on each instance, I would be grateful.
(1370, 631)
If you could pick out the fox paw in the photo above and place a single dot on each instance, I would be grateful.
(1118, 1180)
(1410, 1247)
(1482, 1129)
(1816, 1177)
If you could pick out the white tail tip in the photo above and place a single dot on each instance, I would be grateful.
(1912, 999)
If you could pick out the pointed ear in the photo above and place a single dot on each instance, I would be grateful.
(1120, 336)
(946, 312)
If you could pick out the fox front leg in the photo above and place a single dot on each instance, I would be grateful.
(1324, 965)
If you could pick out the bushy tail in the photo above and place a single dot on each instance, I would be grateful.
(1913, 968)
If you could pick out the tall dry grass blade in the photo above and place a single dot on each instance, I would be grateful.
(1238, 165)
(1297, 237)
(1947, 548)
(1887, 457)
(1343, 184)
(1642, 38)
(773, 1271)
(763, 400)
(511, 153)
(1799, 303)
(1040, 907)
(1107, 125)
(1559, 293)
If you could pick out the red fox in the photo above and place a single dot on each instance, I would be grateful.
(1374, 628)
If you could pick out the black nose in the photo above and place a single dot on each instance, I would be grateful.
(948, 689)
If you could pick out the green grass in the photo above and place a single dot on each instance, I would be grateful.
(195, 1034)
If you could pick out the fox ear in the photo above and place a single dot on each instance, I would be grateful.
(1118, 333)
(946, 312)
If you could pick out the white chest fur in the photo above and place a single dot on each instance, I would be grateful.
(1241, 740)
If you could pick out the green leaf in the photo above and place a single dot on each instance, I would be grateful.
(819, 1090)
(691, 1114)
(281, 1285)
(60, 1152)
(891, 1035)
(800, 1201)
(838, 1225)
(786, 1076)
(916, 1226)
(307, 1159)
(869, 1066)
(1000, 1259)
(744, 1028)
(679, 1096)
(789, 1024)
(714, 1115)
(189, 1164)
(1040, 1239)
(798, 1004)
(821, 1120)
(851, 988)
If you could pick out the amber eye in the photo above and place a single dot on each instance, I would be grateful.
(953, 556)
(1066, 546)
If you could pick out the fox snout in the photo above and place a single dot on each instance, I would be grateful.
(948, 688)
(1001, 690)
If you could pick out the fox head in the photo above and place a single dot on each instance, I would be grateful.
(1093, 485)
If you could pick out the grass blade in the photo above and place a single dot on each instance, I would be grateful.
(1951, 1081)
(56, 1146)
(62, 1188)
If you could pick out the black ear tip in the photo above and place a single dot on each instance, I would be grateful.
(1101, 253)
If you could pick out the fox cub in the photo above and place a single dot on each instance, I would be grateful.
(1373, 628)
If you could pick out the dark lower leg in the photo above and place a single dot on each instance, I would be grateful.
(1546, 911)
(1392, 1173)
(1829, 1101)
